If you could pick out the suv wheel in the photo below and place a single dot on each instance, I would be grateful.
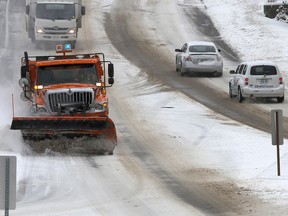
(219, 74)
(239, 96)
(230, 92)
(280, 99)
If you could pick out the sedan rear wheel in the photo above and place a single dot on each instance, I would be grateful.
(181, 70)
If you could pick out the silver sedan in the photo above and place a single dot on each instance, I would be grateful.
(199, 57)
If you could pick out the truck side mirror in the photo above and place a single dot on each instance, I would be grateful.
(27, 9)
(110, 70)
(111, 80)
(23, 82)
(23, 71)
(83, 11)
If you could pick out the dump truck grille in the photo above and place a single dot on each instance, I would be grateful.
(68, 97)
(55, 29)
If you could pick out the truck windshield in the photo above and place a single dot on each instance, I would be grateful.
(60, 74)
(55, 11)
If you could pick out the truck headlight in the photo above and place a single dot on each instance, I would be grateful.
(39, 30)
(72, 31)
(99, 107)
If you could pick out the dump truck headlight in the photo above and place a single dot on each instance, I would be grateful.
(72, 31)
(39, 30)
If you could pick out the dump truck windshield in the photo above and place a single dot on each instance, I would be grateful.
(59, 74)
(55, 11)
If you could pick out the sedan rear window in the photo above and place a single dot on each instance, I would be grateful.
(202, 48)
(263, 70)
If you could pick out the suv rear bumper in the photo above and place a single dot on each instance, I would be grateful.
(257, 92)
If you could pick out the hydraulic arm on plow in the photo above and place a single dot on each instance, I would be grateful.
(67, 95)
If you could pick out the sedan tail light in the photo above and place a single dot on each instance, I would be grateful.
(188, 58)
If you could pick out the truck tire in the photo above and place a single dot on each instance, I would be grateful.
(31, 35)
(280, 99)
(73, 44)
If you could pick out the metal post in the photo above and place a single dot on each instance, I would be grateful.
(7, 163)
(278, 144)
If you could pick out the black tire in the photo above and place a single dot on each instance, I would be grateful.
(239, 96)
(73, 44)
(177, 69)
(182, 71)
(230, 92)
(280, 99)
(37, 44)
(220, 74)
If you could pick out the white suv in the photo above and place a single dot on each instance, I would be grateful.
(257, 79)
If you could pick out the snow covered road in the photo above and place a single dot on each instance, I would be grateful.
(175, 156)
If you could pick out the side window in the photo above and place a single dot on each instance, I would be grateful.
(244, 69)
(240, 69)
(184, 48)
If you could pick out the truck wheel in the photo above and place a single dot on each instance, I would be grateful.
(37, 44)
(73, 43)
(280, 99)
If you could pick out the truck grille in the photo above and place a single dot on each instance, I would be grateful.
(68, 97)
(55, 29)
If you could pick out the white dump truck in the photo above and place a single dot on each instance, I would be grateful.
(54, 21)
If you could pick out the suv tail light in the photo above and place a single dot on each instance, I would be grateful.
(280, 80)
(246, 80)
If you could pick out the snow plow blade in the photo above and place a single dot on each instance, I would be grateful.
(59, 123)
(65, 133)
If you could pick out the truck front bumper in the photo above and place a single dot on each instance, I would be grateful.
(52, 37)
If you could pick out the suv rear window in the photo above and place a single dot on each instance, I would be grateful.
(263, 70)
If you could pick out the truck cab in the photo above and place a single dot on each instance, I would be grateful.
(52, 21)
(67, 97)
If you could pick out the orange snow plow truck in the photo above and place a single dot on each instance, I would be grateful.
(67, 95)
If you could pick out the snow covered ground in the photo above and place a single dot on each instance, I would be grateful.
(244, 154)
(241, 152)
